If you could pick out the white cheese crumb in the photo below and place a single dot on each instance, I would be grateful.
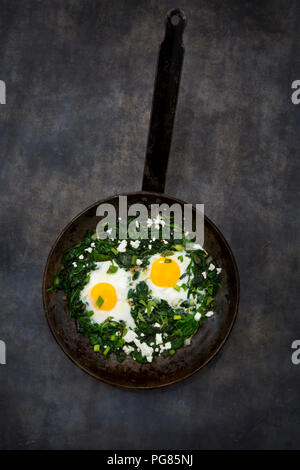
(153, 239)
(139, 262)
(89, 250)
(204, 274)
(211, 267)
(157, 325)
(197, 316)
(209, 314)
(150, 246)
(187, 341)
(135, 244)
(130, 336)
(219, 270)
(168, 345)
(165, 242)
(158, 338)
(145, 350)
(74, 264)
(122, 246)
(81, 257)
(92, 244)
(127, 349)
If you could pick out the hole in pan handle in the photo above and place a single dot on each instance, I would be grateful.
(164, 102)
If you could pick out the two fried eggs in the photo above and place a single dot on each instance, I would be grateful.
(105, 294)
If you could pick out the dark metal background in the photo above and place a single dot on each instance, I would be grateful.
(79, 78)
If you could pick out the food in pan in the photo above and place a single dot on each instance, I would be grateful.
(138, 298)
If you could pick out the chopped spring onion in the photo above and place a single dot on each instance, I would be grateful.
(99, 302)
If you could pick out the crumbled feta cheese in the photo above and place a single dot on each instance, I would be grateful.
(164, 347)
(157, 325)
(197, 316)
(204, 274)
(153, 239)
(81, 257)
(150, 246)
(130, 336)
(209, 314)
(165, 242)
(219, 270)
(74, 264)
(122, 246)
(135, 244)
(145, 350)
(139, 262)
(89, 250)
(211, 267)
(93, 245)
(158, 338)
(187, 233)
(127, 349)
(187, 341)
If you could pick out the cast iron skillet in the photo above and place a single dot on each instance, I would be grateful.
(212, 335)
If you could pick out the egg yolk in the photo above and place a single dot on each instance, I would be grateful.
(165, 272)
(107, 292)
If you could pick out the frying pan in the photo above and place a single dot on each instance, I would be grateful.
(213, 333)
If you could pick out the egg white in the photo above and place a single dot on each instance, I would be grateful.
(120, 280)
(172, 296)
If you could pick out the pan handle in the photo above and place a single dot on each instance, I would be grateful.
(164, 102)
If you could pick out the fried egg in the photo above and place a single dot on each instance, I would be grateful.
(164, 273)
(106, 294)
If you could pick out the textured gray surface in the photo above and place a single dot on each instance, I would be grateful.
(79, 78)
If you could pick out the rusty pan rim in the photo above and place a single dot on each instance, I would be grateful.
(171, 382)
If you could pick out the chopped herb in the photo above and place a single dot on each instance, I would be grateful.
(99, 301)
(112, 269)
(178, 247)
(97, 347)
(168, 260)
